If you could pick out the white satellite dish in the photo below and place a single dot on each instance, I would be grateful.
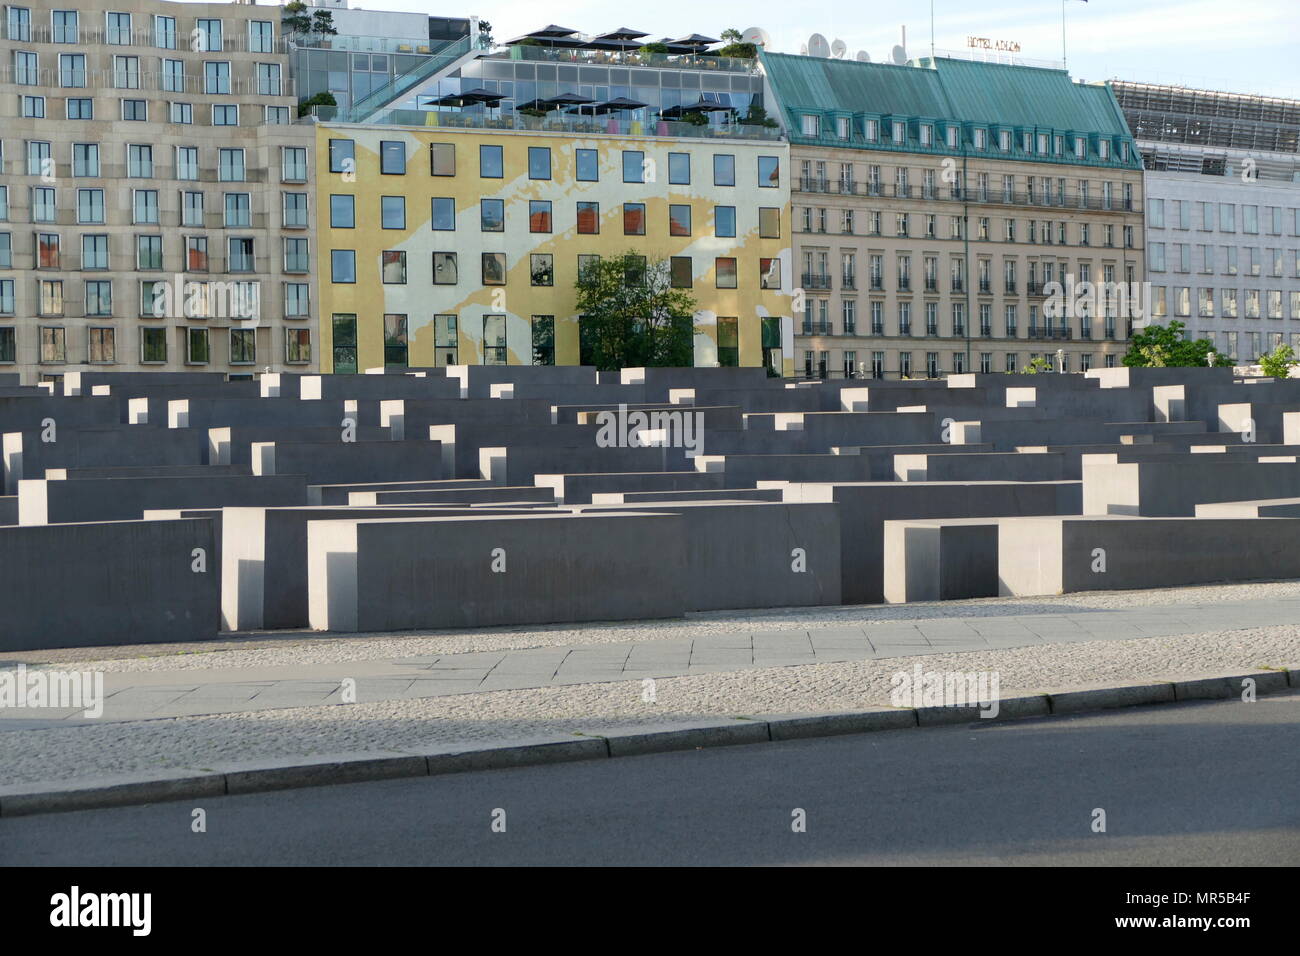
(838, 49)
(818, 46)
(863, 56)
(900, 56)
(757, 36)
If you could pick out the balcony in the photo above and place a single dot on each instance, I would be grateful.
(1058, 334)
(958, 285)
(815, 280)
(904, 284)
(877, 284)
(849, 282)
(877, 328)
(985, 287)
(931, 285)
(986, 331)
(1010, 289)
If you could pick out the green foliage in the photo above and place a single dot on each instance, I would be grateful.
(294, 18)
(323, 98)
(744, 51)
(529, 41)
(695, 118)
(757, 116)
(485, 37)
(731, 35)
(531, 111)
(632, 316)
(655, 47)
(1039, 364)
(1278, 362)
(1159, 346)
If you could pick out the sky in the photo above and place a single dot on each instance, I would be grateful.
(1245, 46)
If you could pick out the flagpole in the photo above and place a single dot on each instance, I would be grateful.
(1064, 61)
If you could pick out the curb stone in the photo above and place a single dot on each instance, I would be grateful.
(29, 799)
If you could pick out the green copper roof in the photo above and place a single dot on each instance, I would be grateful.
(1026, 96)
(854, 87)
(948, 90)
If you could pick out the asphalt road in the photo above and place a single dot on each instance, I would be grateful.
(1200, 783)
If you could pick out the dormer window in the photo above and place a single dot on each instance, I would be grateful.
(873, 130)
(981, 138)
(1080, 147)
(1004, 140)
(900, 132)
(842, 127)
(1042, 144)
(1103, 149)
(811, 125)
(927, 134)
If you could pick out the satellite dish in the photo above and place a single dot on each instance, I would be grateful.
(863, 56)
(757, 36)
(838, 49)
(818, 46)
(900, 56)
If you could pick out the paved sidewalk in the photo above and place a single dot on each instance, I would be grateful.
(148, 695)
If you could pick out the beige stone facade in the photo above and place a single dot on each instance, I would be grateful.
(153, 143)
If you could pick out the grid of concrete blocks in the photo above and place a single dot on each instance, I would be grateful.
(170, 507)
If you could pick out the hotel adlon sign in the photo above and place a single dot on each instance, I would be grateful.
(1001, 46)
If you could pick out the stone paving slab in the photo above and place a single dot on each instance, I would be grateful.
(155, 694)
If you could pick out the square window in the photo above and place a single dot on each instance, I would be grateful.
(492, 215)
(393, 212)
(445, 269)
(769, 222)
(442, 159)
(490, 162)
(679, 220)
(443, 215)
(724, 169)
(769, 275)
(542, 269)
(769, 172)
(680, 272)
(633, 166)
(539, 215)
(343, 265)
(679, 169)
(588, 166)
(539, 162)
(588, 218)
(494, 268)
(343, 212)
(394, 267)
(392, 158)
(724, 221)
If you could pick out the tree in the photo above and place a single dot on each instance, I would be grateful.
(323, 98)
(294, 19)
(484, 35)
(736, 46)
(1159, 346)
(1038, 365)
(632, 316)
(1278, 362)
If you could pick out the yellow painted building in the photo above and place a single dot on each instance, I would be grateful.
(447, 246)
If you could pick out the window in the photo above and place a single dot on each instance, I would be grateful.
(196, 253)
(539, 162)
(539, 215)
(442, 159)
(80, 108)
(588, 165)
(72, 70)
(293, 164)
(51, 297)
(769, 172)
(494, 268)
(543, 329)
(445, 347)
(164, 32)
(392, 158)
(490, 162)
(725, 270)
(241, 255)
(297, 300)
(64, 23)
(295, 255)
(769, 277)
(588, 218)
(101, 346)
(442, 218)
(395, 341)
(724, 221)
(181, 113)
(216, 77)
(728, 341)
(343, 265)
(261, 36)
(297, 346)
(268, 79)
(230, 165)
(54, 345)
(135, 111)
(207, 35)
(769, 222)
(633, 219)
(126, 72)
(139, 162)
(542, 269)
(187, 162)
(90, 205)
(492, 215)
(6, 308)
(237, 210)
(342, 156)
(243, 346)
(445, 271)
(679, 169)
(225, 116)
(293, 213)
(145, 207)
(633, 166)
(680, 272)
(810, 124)
(344, 337)
(724, 169)
(99, 297)
(392, 212)
(494, 340)
(679, 220)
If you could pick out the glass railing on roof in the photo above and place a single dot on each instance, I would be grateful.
(390, 91)
(451, 119)
(367, 44)
(671, 61)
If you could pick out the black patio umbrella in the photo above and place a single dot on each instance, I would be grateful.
(620, 39)
(695, 41)
(703, 106)
(617, 104)
(568, 99)
(553, 36)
